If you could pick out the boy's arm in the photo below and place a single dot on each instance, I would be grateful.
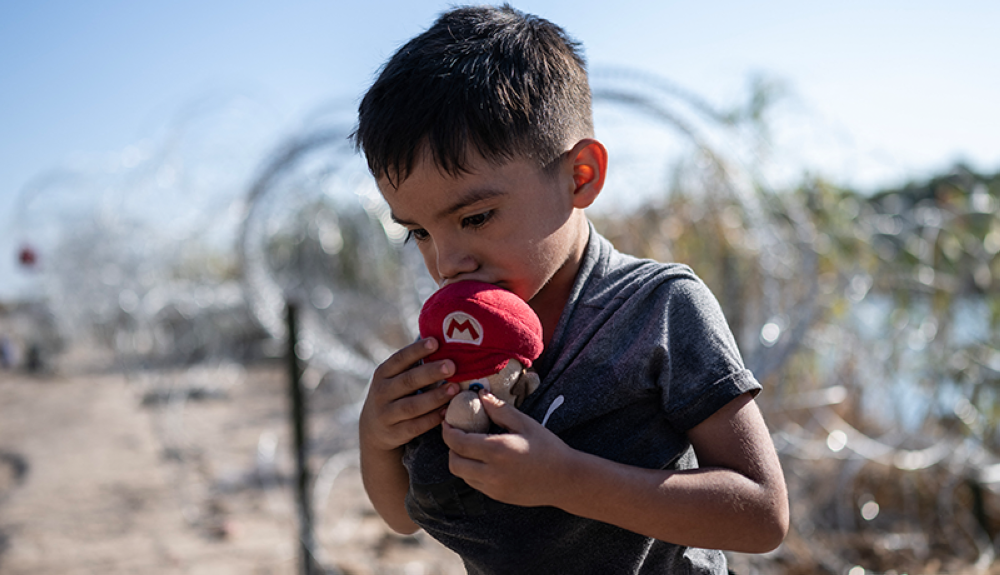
(386, 482)
(393, 414)
(736, 500)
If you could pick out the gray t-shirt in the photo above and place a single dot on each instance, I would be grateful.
(641, 354)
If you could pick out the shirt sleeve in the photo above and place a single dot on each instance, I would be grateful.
(703, 368)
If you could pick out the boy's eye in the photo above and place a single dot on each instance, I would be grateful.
(477, 220)
(418, 234)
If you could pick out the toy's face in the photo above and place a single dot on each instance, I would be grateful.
(500, 384)
(511, 385)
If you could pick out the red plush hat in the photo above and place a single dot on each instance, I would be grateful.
(480, 327)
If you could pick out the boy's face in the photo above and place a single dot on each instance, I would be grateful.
(513, 225)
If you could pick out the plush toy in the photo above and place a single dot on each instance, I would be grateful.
(492, 336)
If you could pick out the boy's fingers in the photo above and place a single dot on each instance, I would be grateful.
(461, 443)
(421, 425)
(401, 374)
(468, 455)
(416, 405)
(420, 376)
(476, 446)
(466, 468)
(403, 359)
(503, 414)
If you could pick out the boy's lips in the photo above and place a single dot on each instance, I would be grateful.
(502, 284)
(499, 284)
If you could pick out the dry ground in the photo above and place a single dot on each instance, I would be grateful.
(189, 471)
(111, 474)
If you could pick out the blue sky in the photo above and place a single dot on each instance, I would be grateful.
(891, 89)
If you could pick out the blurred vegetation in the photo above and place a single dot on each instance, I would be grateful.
(871, 318)
(885, 406)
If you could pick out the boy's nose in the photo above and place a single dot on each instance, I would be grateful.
(453, 260)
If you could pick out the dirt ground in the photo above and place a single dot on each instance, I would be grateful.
(190, 472)
(184, 472)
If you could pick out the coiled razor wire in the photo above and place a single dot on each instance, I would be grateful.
(316, 232)
(732, 167)
(310, 228)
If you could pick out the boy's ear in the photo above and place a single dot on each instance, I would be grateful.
(589, 160)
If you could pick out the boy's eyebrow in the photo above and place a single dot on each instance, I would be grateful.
(464, 201)
(400, 221)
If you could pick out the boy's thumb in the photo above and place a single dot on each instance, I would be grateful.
(501, 413)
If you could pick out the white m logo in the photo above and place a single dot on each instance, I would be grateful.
(462, 327)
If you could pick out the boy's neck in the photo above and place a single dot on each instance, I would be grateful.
(550, 302)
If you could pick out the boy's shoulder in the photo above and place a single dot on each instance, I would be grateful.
(609, 273)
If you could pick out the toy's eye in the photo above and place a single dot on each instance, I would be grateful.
(479, 384)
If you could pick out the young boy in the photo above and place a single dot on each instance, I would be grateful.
(642, 451)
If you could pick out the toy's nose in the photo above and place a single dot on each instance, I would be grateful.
(477, 387)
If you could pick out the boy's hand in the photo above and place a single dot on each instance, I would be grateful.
(394, 413)
(523, 467)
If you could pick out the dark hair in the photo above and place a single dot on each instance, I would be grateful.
(492, 79)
